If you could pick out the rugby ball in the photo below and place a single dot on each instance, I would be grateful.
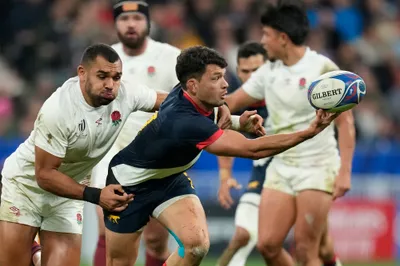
(336, 91)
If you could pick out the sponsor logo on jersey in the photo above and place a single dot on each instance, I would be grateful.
(14, 210)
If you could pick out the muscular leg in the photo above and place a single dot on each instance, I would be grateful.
(16, 244)
(60, 249)
(155, 237)
(100, 253)
(240, 239)
(186, 219)
(327, 249)
(312, 212)
(122, 249)
(277, 214)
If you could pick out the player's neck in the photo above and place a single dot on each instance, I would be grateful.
(137, 51)
(293, 55)
(199, 104)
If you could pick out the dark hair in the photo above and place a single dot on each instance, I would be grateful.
(288, 18)
(192, 63)
(248, 49)
(92, 52)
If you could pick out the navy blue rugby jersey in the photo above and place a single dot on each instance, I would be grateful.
(169, 143)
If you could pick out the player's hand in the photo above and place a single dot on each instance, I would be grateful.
(322, 120)
(224, 117)
(342, 184)
(224, 192)
(114, 198)
(251, 122)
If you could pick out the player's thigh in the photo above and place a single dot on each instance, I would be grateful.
(312, 213)
(277, 209)
(277, 214)
(19, 221)
(60, 249)
(185, 219)
(122, 249)
(155, 234)
(246, 215)
(16, 243)
(100, 221)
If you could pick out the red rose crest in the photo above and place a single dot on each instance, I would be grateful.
(79, 218)
(302, 83)
(151, 70)
(115, 118)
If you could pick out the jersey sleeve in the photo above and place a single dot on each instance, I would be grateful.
(255, 85)
(328, 66)
(51, 132)
(139, 97)
(197, 131)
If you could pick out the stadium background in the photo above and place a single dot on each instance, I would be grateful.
(42, 40)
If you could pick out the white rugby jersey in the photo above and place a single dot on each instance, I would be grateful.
(284, 88)
(69, 128)
(155, 68)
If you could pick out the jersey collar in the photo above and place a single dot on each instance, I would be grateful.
(198, 108)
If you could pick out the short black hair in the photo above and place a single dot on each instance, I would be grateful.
(248, 49)
(92, 52)
(288, 18)
(193, 61)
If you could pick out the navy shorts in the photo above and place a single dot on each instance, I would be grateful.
(257, 178)
(147, 197)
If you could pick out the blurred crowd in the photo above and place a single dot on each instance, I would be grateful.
(42, 41)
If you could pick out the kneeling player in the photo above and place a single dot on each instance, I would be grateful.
(152, 167)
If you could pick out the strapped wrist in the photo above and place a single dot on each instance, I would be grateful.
(92, 195)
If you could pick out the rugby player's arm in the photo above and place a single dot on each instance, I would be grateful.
(239, 100)
(159, 100)
(346, 139)
(232, 143)
(50, 179)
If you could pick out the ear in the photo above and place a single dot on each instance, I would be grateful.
(283, 38)
(82, 73)
(192, 85)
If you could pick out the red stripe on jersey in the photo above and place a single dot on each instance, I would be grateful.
(198, 108)
(210, 140)
(258, 104)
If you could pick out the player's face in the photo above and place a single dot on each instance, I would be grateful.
(102, 80)
(132, 29)
(246, 66)
(274, 42)
(212, 88)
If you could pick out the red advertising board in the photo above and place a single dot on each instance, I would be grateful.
(363, 229)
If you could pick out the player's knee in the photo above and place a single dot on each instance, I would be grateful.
(306, 247)
(241, 238)
(269, 247)
(197, 247)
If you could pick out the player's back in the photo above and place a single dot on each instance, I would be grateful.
(170, 142)
(285, 90)
(155, 68)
